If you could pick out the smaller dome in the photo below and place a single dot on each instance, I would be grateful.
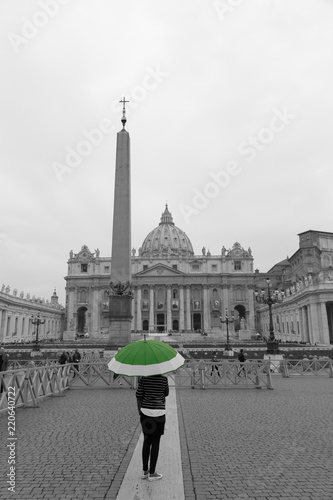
(166, 239)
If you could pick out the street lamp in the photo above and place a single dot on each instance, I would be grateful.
(227, 321)
(36, 320)
(270, 299)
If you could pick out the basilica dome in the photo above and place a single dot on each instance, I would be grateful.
(166, 240)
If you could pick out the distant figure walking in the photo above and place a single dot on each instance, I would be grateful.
(76, 361)
(151, 394)
(241, 359)
(63, 359)
(215, 367)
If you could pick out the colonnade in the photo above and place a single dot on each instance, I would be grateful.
(188, 305)
(303, 323)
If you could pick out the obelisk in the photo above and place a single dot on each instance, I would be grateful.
(120, 298)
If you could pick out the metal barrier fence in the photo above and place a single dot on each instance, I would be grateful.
(15, 365)
(223, 374)
(315, 367)
(27, 386)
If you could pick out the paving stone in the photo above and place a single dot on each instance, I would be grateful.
(238, 444)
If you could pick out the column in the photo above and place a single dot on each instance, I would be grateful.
(313, 323)
(95, 323)
(251, 318)
(181, 309)
(225, 298)
(324, 334)
(70, 314)
(206, 311)
(138, 309)
(2, 334)
(188, 308)
(168, 307)
(88, 325)
(151, 309)
(306, 323)
(133, 320)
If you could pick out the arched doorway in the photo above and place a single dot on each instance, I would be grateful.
(175, 325)
(241, 316)
(81, 320)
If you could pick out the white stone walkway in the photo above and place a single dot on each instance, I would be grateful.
(170, 487)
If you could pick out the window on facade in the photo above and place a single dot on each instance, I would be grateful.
(145, 266)
(175, 294)
(83, 296)
(145, 293)
(237, 265)
(84, 268)
(195, 267)
(214, 267)
(106, 269)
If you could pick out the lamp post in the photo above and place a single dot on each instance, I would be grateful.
(36, 320)
(227, 321)
(270, 299)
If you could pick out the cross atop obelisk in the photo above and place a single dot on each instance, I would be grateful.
(124, 119)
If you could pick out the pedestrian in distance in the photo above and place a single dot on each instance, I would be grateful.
(76, 361)
(215, 368)
(241, 359)
(151, 394)
(63, 359)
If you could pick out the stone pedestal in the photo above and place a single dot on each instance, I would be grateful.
(68, 335)
(276, 360)
(272, 347)
(244, 335)
(120, 315)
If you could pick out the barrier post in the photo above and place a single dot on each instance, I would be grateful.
(202, 373)
(285, 371)
(269, 377)
(331, 369)
(28, 388)
(257, 381)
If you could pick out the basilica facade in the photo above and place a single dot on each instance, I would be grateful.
(174, 289)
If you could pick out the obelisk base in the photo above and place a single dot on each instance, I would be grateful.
(120, 316)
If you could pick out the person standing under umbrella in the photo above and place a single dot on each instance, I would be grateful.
(151, 394)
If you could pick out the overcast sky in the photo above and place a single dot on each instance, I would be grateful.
(230, 118)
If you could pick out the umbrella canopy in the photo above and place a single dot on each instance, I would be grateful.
(146, 358)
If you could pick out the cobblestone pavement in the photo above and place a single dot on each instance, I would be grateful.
(259, 444)
(74, 447)
(235, 443)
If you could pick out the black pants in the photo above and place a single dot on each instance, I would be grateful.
(153, 429)
(150, 449)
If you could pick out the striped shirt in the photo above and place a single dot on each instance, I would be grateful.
(152, 392)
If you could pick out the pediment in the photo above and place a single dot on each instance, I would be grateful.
(158, 270)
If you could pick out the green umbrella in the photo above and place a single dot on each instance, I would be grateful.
(146, 358)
